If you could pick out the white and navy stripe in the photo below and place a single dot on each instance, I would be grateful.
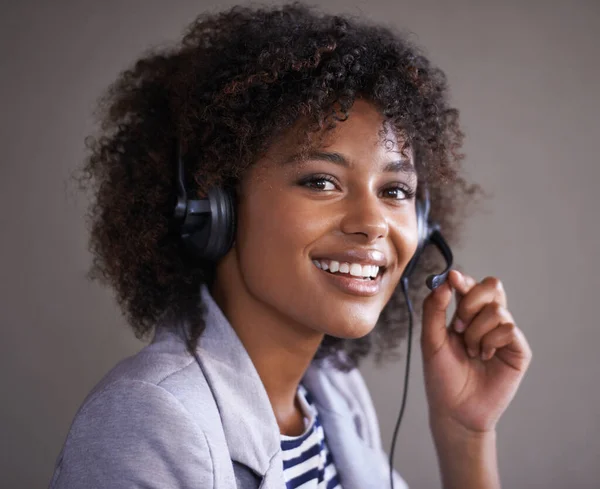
(307, 462)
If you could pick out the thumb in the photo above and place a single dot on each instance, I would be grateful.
(434, 331)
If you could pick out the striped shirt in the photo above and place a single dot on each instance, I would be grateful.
(307, 462)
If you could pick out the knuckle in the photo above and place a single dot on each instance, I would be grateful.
(464, 310)
(495, 283)
(495, 311)
(466, 318)
(429, 301)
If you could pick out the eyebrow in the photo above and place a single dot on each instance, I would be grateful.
(398, 166)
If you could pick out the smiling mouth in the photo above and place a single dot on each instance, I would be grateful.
(350, 270)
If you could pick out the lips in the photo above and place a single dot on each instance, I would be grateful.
(349, 284)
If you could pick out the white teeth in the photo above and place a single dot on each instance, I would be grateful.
(354, 269)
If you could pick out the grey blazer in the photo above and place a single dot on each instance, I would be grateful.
(161, 420)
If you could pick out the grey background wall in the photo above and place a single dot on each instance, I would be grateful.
(525, 75)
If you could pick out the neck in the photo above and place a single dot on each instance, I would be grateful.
(280, 349)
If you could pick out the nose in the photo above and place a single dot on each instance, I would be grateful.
(365, 216)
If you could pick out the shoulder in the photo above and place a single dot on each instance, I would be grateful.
(161, 373)
(137, 427)
(125, 435)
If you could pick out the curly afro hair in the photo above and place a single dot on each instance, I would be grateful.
(236, 81)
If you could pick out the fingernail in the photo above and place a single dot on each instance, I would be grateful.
(459, 326)
(461, 277)
(488, 354)
(471, 352)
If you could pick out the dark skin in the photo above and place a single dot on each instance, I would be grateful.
(281, 305)
(268, 285)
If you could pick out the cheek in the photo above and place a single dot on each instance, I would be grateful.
(274, 237)
(276, 231)
(405, 239)
(274, 234)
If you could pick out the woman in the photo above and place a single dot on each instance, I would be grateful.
(324, 131)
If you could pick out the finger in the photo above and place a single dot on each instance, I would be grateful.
(499, 337)
(490, 289)
(517, 352)
(462, 284)
(489, 318)
(433, 332)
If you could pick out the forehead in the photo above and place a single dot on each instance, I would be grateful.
(364, 136)
(363, 144)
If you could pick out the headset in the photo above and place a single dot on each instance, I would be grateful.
(207, 229)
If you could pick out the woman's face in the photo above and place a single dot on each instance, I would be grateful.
(347, 208)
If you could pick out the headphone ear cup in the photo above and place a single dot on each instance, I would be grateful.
(221, 227)
(209, 225)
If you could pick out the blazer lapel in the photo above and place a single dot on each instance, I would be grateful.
(358, 465)
(248, 420)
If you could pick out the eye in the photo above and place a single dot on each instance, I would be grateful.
(321, 183)
(398, 192)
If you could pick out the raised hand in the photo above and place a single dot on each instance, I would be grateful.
(473, 367)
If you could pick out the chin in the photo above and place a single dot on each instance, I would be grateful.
(349, 326)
